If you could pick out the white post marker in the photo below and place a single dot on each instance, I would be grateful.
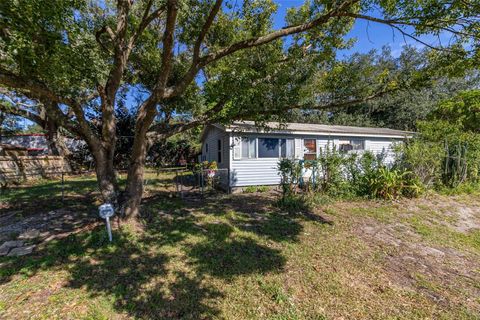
(106, 211)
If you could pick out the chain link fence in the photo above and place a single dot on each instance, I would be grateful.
(60, 188)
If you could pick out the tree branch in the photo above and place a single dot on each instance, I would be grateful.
(18, 111)
(168, 41)
(395, 23)
(347, 103)
(147, 18)
(35, 89)
(250, 43)
(205, 29)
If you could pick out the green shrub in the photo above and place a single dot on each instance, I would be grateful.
(294, 203)
(330, 176)
(263, 189)
(250, 189)
(340, 175)
(384, 183)
(290, 173)
(423, 159)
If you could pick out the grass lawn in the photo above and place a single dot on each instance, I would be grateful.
(240, 257)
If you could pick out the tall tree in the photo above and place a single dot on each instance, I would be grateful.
(77, 55)
(406, 88)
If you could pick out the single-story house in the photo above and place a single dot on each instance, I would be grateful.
(251, 154)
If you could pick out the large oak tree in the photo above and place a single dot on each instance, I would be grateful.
(209, 60)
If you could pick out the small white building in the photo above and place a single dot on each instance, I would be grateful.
(251, 154)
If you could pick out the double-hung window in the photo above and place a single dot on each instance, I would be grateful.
(287, 148)
(249, 148)
(351, 145)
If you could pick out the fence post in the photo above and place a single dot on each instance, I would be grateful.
(229, 187)
(182, 177)
(176, 181)
(63, 187)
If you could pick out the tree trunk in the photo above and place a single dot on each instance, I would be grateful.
(56, 144)
(134, 189)
(106, 177)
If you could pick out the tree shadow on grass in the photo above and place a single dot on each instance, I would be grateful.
(224, 256)
(166, 272)
(130, 272)
(257, 213)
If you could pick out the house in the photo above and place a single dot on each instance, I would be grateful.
(251, 154)
(35, 143)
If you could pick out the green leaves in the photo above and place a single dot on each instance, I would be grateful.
(463, 110)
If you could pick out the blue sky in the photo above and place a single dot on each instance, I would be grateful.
(369, 35)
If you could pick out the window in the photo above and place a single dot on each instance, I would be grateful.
(287, 148)
(350, 145)
(248, 148)
(310, 149)
(219, 150)
(268, 148)
(206, 148)
(357, 144)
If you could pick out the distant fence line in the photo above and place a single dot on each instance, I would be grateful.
(182, 181)
(31, 166)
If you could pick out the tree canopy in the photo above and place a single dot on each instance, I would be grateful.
(210, 61)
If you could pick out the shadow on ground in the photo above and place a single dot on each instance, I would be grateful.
(166, 271)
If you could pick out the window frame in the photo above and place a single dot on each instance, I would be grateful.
(350, 143)
(255, 148)
(285, 146)
(239, 140)
(315, 153)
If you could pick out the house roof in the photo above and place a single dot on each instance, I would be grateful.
(317, 129)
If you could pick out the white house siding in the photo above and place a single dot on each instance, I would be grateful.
(248, 172)
(211, 138)
(263, 171)
(382, 146)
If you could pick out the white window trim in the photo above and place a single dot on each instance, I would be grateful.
(239, 140)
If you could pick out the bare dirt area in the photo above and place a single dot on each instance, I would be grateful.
(431, 246)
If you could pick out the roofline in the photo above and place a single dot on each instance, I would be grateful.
(407, 134)
(322, 133)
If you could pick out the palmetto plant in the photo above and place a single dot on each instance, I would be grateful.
(386, 184)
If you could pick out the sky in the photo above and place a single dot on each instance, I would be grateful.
(369, 35)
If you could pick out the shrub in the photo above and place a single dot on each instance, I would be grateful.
(337, 175)
(290, 172)
(250, 189)
(422, 159)
(263, 189)
(390, 184)
(294, 203)
(330, 173)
